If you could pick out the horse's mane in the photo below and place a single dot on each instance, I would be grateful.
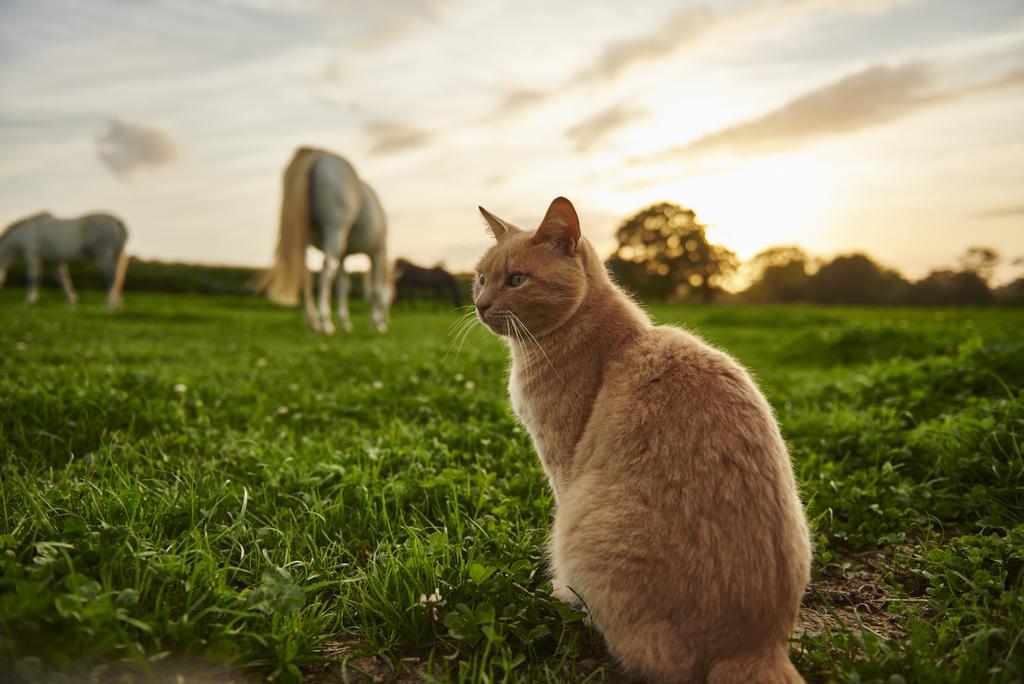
(17, 224)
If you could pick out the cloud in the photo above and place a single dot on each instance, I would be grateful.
(365, 25)
(680, 30)
(391, 22)
(592, 130)
(391, 136)
(127, 148)
(874, 96)
(867, 98)
(870, 6)
(333, 73)
(1011, 79)
(1001, 212)
(516, 101)
(667, 37)
(614, 59)
(495, 180)
(684, 30)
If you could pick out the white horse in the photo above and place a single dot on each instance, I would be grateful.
(325, 204)
(43, 237)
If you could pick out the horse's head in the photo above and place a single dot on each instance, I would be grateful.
(10, 243)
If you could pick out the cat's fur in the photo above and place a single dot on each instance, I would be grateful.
(677, 517)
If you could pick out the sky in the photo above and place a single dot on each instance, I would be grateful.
(894, 127)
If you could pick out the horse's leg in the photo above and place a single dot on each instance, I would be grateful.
(327, 276)
(342, 287)
(108, 265)
(380, 293)
(34, 270)
(312, 317)
(335, 211)
(64, 276)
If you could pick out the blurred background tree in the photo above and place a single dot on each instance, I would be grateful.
(778, 274)
(855, 279)
(1013, 292)
(968, 286)
(664, 253)
(783, 275)
(947, 287)
(982, 261)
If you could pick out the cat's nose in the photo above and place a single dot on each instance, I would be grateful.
(481, 307)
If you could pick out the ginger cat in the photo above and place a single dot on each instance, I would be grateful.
(677, 520)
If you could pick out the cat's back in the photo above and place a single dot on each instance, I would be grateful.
(670, 404)
(668, 373)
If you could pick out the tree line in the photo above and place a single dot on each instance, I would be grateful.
(664, 254)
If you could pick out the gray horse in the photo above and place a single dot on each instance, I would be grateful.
(43, 237)
(327, 205)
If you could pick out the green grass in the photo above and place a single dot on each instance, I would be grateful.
(202, 480)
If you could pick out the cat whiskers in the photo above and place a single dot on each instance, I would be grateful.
(533, 339)
(463, 317)
(459, 331)
(512, 330)
(465, 307)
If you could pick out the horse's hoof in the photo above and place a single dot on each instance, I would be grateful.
(345, 324)
(328, 328)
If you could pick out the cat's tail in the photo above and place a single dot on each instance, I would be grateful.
(769, 667)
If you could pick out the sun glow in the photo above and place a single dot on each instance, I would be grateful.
(751, 204)
(771, 201)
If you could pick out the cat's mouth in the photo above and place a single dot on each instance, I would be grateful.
(497, 323)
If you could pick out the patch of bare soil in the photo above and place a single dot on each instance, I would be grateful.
(348, 666)
(852, 594)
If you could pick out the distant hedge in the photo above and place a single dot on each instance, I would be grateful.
(154, 276)
(162, 276)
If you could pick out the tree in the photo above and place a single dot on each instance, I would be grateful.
(778, 274)
(855, 279)
(945, 287)
(1011, 294)
(664, 252)
(981, 261)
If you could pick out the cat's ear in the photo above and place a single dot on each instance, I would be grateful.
(560, 227)
(498, 228)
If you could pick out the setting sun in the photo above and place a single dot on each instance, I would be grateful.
(769, 201)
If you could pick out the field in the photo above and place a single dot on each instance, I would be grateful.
(196, 483)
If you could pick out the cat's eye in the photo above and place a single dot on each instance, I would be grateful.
(516, 279)
(480, 278)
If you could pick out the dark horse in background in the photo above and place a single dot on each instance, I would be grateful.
(416, 282)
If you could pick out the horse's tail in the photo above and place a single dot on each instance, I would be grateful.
(283, 281)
